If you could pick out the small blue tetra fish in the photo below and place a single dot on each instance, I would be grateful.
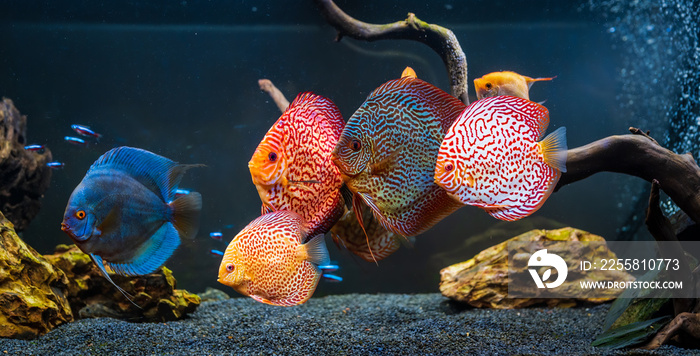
(85, 131)
(55, 165)
(216, 235)
(75, 140)
(34, 148)
(124, 213)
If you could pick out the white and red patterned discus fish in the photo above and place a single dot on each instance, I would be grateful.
(292, 168)
(491, 157)
(269, 261)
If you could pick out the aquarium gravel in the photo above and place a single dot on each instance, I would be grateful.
(352, 324)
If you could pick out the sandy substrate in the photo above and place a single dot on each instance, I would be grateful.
(354, 324)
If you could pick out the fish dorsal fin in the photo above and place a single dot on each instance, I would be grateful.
(308, 101)
(316, 251)
(157, 173)
(447, 106)
(409, 72)
(151, 254)
(554, 150)
(100, 264)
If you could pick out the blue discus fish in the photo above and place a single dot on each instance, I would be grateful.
(124, 213)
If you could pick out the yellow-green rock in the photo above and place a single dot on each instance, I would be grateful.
(91, 295)
(31, 298)
(483, 280)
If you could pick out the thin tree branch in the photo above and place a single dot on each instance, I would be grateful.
(440, 39)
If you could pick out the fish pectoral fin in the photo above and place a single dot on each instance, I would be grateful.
(266, 209)
(152, 253)
(554, 150)
(110, 223)
(100, 264)
(316, 251)
(347, 195)
(385, 165)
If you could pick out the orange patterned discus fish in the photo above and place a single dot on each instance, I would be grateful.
(269, 261)
(376, 245)
(505, 83)
(491, 157)
(291, 167)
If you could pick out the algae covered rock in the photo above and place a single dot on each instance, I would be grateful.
(91, 295)
(32, 301)
(483, 281)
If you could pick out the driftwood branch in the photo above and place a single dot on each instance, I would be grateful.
(440, 39)
(641, 156)
(275, 94)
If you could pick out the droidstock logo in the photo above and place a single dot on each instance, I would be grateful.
(543, 259)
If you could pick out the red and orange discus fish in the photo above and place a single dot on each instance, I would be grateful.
(491, 157)
(291, 167)
(505, 83)
(269, 261)
(387, 154)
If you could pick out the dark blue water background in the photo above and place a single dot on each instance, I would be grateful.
(181, 80)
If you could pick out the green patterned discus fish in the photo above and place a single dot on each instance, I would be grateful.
(387, 154)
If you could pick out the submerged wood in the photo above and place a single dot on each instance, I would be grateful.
(441, 40)
(24, 176)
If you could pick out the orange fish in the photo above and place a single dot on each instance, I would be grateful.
(291, 167)
(269, 261)
(494, 157)
(505, 83)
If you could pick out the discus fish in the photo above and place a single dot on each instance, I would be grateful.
(387, 154)
(291, 167)
(505, 83)
(85, 131)
(491, 157)
(124, 213)
(269, 261)
(377, 244)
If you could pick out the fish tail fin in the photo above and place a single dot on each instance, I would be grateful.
(554, 150)
(186, 211)
(100, 264)
(530, 81)
(317, 252)
(357, 207)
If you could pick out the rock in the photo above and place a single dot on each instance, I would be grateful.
(91, 294)
(24, 176)
(31, 298)
(213, 294)
(483, 281)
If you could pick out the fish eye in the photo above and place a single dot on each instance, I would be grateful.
(488, 86)
(272, 156)
(80, 214)
(229, 267)
(356, 145)
(449, 167)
